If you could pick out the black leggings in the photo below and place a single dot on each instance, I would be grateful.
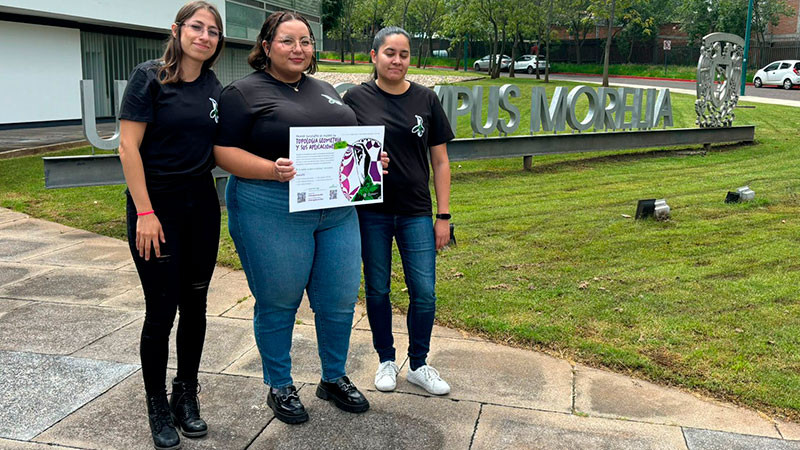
(178, 280)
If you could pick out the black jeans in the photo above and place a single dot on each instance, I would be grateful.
(178, 280)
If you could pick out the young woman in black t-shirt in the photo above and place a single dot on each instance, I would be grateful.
(167, 123)
(416, 128)
(284, 254)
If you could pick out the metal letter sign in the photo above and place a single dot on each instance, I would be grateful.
(607, 108)
(719, 72)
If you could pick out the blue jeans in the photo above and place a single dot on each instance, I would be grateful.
(282, 254)
(417, 245)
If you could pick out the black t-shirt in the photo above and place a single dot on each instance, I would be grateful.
(181, 124)
(257, 111)
(415, 121)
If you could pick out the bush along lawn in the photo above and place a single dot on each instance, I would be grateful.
(546, 259)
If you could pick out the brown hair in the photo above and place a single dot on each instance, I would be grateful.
(170, 71)
(258, 59)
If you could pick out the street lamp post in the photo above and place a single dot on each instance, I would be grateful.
(746, 45)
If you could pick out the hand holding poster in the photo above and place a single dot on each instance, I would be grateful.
(336, 166)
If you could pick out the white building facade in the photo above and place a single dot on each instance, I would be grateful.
(48, 46)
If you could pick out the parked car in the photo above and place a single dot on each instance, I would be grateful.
(784, 73)
(529, 64)
(483, 63)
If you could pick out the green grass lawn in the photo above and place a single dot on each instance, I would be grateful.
(638, 70)
(545, 259)
(430, 61)
(367, 68)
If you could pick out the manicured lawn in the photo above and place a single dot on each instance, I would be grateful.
(367, 68)
(545, 259)
(638, 70)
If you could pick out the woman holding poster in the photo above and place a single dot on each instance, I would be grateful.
(416, 126)
(285, 253)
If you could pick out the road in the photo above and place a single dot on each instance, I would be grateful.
(763, 95)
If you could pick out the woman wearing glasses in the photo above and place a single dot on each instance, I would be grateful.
(284, 254)
(168, 121)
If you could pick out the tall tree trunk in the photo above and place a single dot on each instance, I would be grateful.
(538, 54)
(630, 52)
(608, 44)
(419, 52)
(350, 45)
(457, 51)
(513, 55)
(547, 44)
(341, 47)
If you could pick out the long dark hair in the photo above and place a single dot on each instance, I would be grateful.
(170, 71)
(258, 58)
(380, 39)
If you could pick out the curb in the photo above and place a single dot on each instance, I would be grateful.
(30, 151)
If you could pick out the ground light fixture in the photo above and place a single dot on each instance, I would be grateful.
(743, 194)
(652, 208)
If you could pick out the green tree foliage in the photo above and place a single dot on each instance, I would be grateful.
(701, 17)
(577, 18)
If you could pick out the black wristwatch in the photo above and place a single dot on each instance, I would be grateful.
(445, 216)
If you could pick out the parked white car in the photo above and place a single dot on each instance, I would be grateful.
(779, 73)
(529, 64)
(483, 63)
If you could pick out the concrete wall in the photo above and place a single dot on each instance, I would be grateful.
(148, 15)
(41, 70)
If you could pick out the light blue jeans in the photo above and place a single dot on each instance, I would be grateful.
(283, 254)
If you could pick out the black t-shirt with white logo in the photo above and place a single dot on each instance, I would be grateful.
(415, 121)
(257, 111)
(181, 124)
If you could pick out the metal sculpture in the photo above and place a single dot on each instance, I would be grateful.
(719, 74)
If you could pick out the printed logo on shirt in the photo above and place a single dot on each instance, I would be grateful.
(331, 100)
(214, 114)
(419, 129)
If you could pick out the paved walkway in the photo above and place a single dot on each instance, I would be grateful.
(71, 310)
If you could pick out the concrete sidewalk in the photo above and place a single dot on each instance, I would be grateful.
(71, 311)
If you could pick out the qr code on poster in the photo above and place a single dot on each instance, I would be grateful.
(333, 194)
(301, 197)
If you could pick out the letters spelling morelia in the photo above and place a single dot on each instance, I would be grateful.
(608, 108)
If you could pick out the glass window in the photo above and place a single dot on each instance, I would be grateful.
(243, 21)
(771, 67)
(785, 66)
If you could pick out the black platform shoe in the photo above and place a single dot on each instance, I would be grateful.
(344, 395)
(186, 410)
(286, 405)
(165, 437)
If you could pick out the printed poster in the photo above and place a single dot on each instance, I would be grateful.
(336, 166)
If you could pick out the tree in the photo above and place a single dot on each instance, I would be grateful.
(492, 11)
(520, 22)
(428, 16)
(766, 13)
(639, 23)
(578, 20)
(459, 22)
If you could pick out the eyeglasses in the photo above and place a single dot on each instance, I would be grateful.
(213, 33)
(304, 43)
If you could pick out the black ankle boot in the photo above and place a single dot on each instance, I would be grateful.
(186, 410)
(165, 437)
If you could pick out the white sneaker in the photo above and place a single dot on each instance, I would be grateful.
(386, 376)
(428, 378)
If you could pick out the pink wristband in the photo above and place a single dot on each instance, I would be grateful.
(146, 213)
